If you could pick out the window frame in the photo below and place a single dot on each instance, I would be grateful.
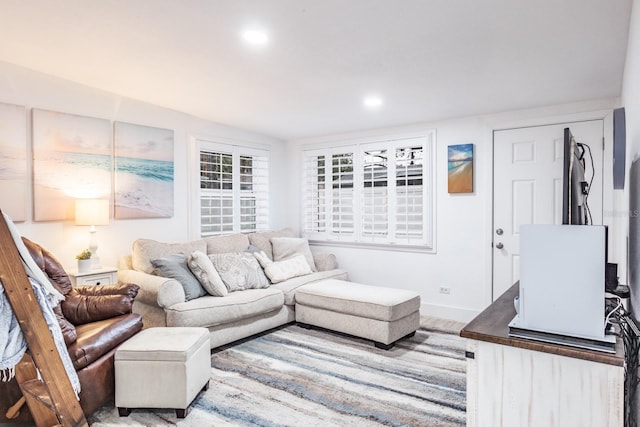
(236, 150)
(427, 242)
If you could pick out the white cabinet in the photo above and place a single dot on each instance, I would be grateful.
(515, 382)
(510, 386)
(101, 276)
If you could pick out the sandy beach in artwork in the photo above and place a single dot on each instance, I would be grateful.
(461, 178)
(51, 204)
(129, 213)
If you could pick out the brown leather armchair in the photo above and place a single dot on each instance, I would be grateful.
(95, 320)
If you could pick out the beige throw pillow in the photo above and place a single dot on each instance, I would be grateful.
(288, 247)
(146, 250)
(202, 267)
(279, 271)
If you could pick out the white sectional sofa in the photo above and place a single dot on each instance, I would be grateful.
(162, 301)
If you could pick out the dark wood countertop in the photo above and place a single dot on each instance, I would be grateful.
(492, 325)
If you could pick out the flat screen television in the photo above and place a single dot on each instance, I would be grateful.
(575, 187)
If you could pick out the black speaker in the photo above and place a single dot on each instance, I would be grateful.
(611, 276)
(619, 148)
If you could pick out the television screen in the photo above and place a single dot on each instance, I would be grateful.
(575, 186)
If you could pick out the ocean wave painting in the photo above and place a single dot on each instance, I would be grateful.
(460, 168)
(13, 161)
(144, 172)
(72, 158)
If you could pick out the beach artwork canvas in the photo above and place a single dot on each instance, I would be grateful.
(13, 161)
(72, 158)
(460, 168)
(144, 171)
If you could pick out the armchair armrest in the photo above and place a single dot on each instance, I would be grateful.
(155, 291)
(325, 261)
(85, 304)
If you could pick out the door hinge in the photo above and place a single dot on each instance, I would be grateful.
(469, 355)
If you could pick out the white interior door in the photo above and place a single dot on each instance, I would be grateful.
(527, 187)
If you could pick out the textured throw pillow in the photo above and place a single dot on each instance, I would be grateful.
(175, 267)
(279, 271)
(202, 267)
(239, 271)
(288, 247)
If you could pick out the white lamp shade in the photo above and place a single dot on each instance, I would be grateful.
(92, 212)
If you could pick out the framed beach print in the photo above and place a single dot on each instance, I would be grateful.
(13, 161)
(460, 168)
(143, 171)
(72, 158)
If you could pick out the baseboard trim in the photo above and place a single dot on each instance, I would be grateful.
(448, 312)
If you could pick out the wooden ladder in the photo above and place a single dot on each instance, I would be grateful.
(51, 399)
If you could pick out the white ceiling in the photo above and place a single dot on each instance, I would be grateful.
(428, 59)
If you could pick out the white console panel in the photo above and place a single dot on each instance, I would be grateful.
(562, 276)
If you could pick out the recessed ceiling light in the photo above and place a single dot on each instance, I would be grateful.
(255, 37)
(372, 101)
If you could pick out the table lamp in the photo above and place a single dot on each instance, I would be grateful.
(92, 212)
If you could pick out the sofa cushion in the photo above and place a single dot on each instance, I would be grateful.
(288, 247)
(227, 243)
(239, 271)
(290, 286)
(145, 250)
(202, 267)
(175, 266)
(372, 302)
(211, 311)
(97, 338)
(262, 240)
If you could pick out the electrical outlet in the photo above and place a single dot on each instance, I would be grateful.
(445, 290)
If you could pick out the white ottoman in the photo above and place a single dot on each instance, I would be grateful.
(162, 368)
(383, 315)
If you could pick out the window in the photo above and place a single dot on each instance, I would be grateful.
(370, 192)
(234, 190)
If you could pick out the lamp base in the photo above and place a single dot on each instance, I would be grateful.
(95, 263)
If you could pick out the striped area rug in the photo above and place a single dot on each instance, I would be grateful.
(297, 377)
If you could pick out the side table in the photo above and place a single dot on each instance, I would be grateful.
(99, 276)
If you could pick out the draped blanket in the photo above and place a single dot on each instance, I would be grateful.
(12, 342)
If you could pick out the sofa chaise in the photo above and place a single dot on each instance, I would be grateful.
(163, 302)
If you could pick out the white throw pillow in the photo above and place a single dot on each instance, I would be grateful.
(202, 267)
(262, 258)
(288, 247)
(279, 271)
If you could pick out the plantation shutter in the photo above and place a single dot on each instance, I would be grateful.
(370, 192)
(315, 193)
(234, 189)
(254, 193)
(216, 193)
(342, 195)
(375, 194)
(410, 195)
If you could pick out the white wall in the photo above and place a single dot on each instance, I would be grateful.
(36, 90)
(463, 229)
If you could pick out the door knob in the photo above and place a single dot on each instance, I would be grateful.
(499, 231)
(499, 245)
